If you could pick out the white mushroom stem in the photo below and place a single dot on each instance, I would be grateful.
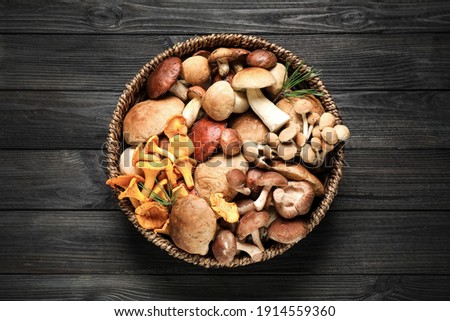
(224, 67)
(190, 111)
(273, 117)
(309, 131)
(261, 200)
(253, 251)
(305, 125)
(179, 90)
(256, 238)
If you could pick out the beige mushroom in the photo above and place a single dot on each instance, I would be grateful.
(148, 118)
(342, 132)
(192, 224)
(267, 181)
(294, 199)
(126, 162)
(219, 100)
(195, 70)
(327, 120)
(250, 127)
(279, 73)
(287, 231)
(192, 108)
(253, 79)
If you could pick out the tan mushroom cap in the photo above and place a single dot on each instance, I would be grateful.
(253, 77)
(251, 222)
(228, 54)
(163, 77)
(224, 247)
(287, 231)
(148, 118)
(218, 101)
(294, 199)
(250, 127)
(192, 224)
(195, 70)
(271, 179)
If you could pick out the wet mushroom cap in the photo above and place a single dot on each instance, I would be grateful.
(224, 247)
(163, 77)
(262, 58)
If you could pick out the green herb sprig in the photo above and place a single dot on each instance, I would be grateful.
(292, 85)
(170, 195)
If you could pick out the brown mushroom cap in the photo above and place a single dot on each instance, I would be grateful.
(218, 101)
(250, 127)
(251, 222)
(271, 179)
(294, 199)
(236, 180)
(163, 77)
(224, 247)
(230, 141)
(195, 92)
(253, 77)
(287, 231)
(205, 135)
(148, 117)
(192, 224)
(253, 175)
(262, 58)
(195, 70)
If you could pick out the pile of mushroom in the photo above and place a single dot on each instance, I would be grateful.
(214, 155)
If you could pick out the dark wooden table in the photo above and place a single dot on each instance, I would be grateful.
(63, 66)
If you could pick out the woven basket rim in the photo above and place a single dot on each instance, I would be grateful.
(133, 93)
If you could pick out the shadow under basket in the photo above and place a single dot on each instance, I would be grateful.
(134, 92)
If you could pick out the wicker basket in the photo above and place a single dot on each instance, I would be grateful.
(135, 92)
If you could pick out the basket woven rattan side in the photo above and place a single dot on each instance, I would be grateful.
(135, 92)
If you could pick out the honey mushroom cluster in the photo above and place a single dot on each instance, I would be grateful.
(214, 153)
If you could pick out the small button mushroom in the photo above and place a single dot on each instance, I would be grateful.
(287, 151)
(329, 135)
(236, 179)
(253, 175)
(249, 224)
(272, 140)
(288, 133)
(192, 224)
(253, 79)
(313, 119)
(342, 132)
(224, 247)
(195, 70)
(165, 78)
(300, 140)
(302, 107)
(267, 181)
(307, 154)
(316, 132)
(230, 141)
(294, 199)
(316, 143)
(262, 58)
(327, 120)
(192, 108)
(288, 231)
(219, 100)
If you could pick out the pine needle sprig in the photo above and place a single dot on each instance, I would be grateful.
(169, 196)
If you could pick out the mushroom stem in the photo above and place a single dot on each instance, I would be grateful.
(190, 111)
(273, 117)
(261, 201)
(179, 90)
(223, 66)
(256, 238)
(253, 251)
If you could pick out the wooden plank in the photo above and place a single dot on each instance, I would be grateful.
(221, 287)
(178, 17)
(373, 180)
(79, 120)
(348, 62)
(351, 242)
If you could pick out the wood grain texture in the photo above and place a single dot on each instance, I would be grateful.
(373, 180)
(79, 120)
(346, 242)
(256, 17)
(221, 287)
(108, 62)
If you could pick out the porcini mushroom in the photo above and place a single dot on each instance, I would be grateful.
(249, 224)
(192, 224)
(148, 118)
(250, 127)
(253, 79)
(219, 100)
(223, 56)
(192, 108)
(261, 58)
(195, 70)
(205, 135)
(267, 181)
(236, 179)
(294, 199)
(287, 231)
(185, 165)
(151, 215)
(165, 78)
